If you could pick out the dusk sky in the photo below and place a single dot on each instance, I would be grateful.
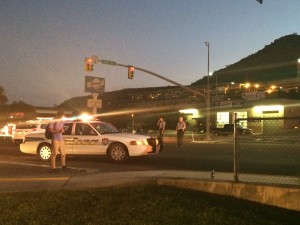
(43, 43)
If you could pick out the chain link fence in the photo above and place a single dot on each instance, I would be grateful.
(271, 154)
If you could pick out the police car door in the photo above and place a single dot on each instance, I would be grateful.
(68, 138)
(85, 137)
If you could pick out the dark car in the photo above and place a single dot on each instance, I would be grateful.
(228, 129)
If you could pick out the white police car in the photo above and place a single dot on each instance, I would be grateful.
(93, 138)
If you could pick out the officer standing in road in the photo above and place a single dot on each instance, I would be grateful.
(181, 126)
(161, 130)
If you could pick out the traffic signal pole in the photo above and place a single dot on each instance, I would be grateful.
(107, 62)
(205, 97)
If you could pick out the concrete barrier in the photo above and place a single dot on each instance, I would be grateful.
(287, 198)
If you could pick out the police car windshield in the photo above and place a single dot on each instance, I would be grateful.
(105, 128)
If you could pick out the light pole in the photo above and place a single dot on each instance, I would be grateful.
(216, 85)
(132, 115)
(207, 97)
(298, 68)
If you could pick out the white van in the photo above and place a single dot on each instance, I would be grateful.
(22, 129)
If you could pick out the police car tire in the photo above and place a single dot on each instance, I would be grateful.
(44, 152)
(118, 152)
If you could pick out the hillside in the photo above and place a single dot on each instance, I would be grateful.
(276, 61)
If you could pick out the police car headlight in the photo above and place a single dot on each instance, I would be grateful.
(138, 143)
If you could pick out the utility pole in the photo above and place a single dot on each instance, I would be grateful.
(207, 97)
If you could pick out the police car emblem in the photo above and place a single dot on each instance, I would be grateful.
(104, 141)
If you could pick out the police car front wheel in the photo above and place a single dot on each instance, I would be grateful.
(117, 152)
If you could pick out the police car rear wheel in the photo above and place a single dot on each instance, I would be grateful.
(44, 152)
(117, 152)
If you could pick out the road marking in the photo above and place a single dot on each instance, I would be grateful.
(16, 179)
(47, 166)
(22, 164)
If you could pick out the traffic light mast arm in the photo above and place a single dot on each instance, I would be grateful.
(173, 82)
(113, 63)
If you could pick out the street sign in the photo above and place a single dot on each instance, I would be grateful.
(94, 84)
(97, 103)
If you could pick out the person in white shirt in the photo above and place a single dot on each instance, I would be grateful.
(57, 128)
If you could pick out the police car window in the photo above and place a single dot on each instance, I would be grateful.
(84, 129)
(105, 128)
(26, 126)
(43, 126)
(68, 128)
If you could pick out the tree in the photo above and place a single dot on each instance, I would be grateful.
(3, 98)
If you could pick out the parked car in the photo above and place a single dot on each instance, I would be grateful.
(93, 138)
(228, 129)
(23, 129)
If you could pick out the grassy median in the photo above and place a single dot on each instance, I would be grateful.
(138, 204)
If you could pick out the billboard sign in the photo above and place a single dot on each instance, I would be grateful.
(94, 84)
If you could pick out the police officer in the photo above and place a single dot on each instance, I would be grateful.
(181, 126)
(161, 130)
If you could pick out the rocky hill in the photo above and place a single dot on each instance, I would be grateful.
(276, 61)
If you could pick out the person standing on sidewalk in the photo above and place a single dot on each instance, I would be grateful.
(161, 130)
(181, 126)
(57, 128)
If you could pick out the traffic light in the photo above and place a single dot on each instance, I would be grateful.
(130, 72)
(88, 65)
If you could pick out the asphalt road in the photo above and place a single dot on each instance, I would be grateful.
(192, 156)
(254, 157)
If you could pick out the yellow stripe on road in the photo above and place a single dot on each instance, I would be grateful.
(34, 179)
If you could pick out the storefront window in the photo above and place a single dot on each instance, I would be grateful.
(222, 118)
(242, 115)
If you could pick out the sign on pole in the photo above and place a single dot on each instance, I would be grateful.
(94, 84)
(94, 103)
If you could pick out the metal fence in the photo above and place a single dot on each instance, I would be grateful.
(271, 155)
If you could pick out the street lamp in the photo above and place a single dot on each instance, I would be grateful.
(207, 97)
(298, 68)
(132, 115)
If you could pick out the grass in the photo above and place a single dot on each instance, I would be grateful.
(139, 204)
